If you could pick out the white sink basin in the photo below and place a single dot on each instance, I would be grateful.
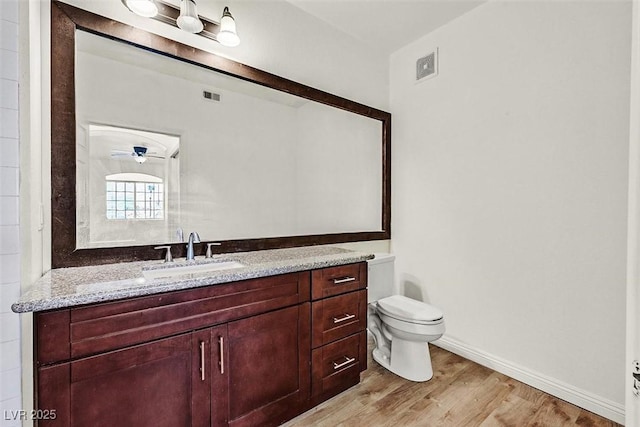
(186, 269)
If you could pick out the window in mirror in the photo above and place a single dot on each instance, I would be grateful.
(134, 197)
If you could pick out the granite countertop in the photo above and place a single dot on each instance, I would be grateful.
(69, 287)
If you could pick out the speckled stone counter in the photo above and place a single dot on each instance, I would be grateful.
(68, 287)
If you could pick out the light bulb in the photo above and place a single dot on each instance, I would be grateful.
(188, 19)
(227, 36)
(146, 8)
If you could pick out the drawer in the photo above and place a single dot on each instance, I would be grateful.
(83, 331)
(332, 281)
(337, 317)
(338, 365)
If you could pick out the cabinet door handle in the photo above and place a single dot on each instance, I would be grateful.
(343, 280)
(202, 360)
(221, 344)
(347, 360)
(343, 318)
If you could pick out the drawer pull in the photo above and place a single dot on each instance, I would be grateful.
(347, 360)
(221, 344)
(344, 318)
(343, 280)
(202, 358)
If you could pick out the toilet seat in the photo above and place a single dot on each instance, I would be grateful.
(409, 310)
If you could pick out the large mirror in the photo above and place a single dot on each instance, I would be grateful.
(162, 137)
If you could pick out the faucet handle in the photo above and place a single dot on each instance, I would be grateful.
(209, 254)
(168, 257)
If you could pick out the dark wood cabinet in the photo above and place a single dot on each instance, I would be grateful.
(339, 323)
(238, 354)
(155, 384)
(269, 367)
(336, 366)
(338, 317)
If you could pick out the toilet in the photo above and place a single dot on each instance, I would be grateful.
(402, 327)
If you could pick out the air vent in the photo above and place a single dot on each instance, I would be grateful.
(211, 96)
(427, 66)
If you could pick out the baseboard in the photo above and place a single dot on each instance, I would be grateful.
(564, 391)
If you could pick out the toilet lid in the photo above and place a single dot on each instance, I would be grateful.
(409, 309)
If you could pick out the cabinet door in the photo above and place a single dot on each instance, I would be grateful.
(156, 384)
(269, 375)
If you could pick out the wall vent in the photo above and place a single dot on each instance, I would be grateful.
(427, 66)
(211, 96)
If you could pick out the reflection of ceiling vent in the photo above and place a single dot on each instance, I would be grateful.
(211, 96)
(427, 66)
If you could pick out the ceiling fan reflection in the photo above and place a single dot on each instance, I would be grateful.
(139, 154)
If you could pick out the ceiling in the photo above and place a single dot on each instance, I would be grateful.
(386, 25)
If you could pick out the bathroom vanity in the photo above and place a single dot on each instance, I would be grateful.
(256, 345)
(256, 342)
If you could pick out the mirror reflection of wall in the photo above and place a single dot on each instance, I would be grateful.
(254, 162)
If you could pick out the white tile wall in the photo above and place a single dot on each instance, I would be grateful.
(8, 34)
(9, 239)
(9, 122)
(6, 406)
(9, 64)
(9, 94)
(12, 377)
(9, 10)
(9, 293)
(9, 210)
(10, 268)
(10, 327)
(8, 152)
(9, 180)
(10, 358)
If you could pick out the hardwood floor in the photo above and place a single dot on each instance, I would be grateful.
(461, 393)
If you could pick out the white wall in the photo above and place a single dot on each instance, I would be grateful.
(10, 383)
(510, 187)
(632, 403)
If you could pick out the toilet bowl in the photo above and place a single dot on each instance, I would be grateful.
(402, 327)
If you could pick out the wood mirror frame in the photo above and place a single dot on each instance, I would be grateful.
(65, 19)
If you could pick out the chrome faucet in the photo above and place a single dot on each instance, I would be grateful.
(193, 238)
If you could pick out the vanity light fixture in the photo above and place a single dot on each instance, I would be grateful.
(186, 18)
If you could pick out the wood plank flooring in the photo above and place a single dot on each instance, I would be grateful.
(461, 393)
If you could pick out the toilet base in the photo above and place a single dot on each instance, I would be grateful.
(409, 359)
(382, 356)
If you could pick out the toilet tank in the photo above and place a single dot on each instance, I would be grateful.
(380, 277)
